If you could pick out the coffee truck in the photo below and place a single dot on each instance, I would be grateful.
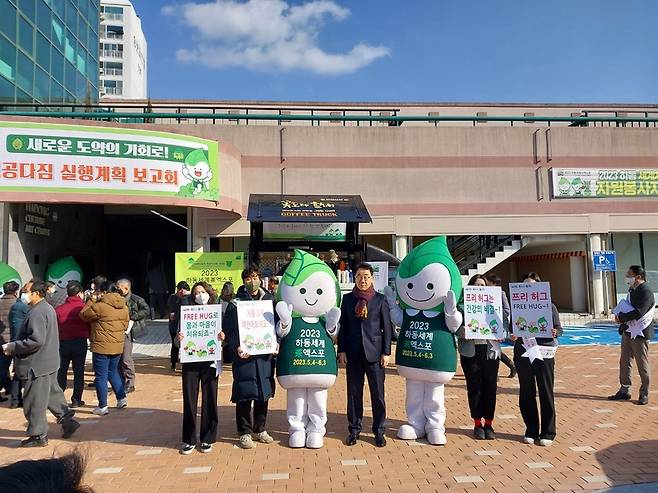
(325, 225)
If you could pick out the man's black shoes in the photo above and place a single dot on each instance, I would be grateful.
(35, 441)
(69, 427)
(380, 440)
(621, 395)
(352, 439)
(643, 400)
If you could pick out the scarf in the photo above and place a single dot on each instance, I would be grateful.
(363, 297)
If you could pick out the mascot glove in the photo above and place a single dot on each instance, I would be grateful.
(284, 310)
(390, 295)
(454, 317)
(331, 320)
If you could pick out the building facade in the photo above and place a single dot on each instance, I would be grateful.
(123, 52)
(561, 192)
(48, 51)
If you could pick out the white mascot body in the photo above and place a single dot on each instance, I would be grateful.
(428, 284)
(308, 300)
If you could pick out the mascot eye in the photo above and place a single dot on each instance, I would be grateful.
(319, 291)
(430, 286)
(410, 285)
(303, 290)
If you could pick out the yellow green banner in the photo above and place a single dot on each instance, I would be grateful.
(215, 268)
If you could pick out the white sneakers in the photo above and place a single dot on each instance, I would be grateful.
(101, 411)
(543, 442)
(263, 437)
(246, 442)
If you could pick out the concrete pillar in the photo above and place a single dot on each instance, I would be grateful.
(401, 246)
(595, 243)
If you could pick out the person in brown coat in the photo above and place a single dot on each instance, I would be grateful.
(108, 317)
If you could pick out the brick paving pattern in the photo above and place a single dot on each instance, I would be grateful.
(136, 449)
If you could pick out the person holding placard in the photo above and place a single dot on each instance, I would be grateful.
(479, 353)
(195, 374)
(534, 358)
(635, 316)
(253, 375)
(495, 280)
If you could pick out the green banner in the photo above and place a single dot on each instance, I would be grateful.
(604, 183)
(215, 268)
(44, 157)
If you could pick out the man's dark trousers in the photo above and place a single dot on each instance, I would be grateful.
(358, 367)
(73, 351)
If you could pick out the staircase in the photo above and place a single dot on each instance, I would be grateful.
(477, 254)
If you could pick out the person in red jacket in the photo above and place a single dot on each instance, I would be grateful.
(73, 335)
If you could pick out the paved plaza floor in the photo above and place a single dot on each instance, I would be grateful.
(600, 444)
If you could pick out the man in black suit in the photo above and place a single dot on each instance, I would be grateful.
(364, 347)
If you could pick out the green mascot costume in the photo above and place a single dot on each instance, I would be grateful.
(8, 273)
(63, 271)
(428, 284)
(308, 300)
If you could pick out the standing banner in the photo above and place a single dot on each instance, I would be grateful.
(532, 312)
(483, 312)
(82, 159)
(215, 268)
(380, 276)
(200, 325)
(256, 326)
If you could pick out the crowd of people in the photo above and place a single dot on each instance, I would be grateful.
(44, 335)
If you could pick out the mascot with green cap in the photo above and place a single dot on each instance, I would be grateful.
(308, 300)
(428, 286)
(8, 273)
(63, 271)
(197, 170)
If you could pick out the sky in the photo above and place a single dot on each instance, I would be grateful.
(594, 51)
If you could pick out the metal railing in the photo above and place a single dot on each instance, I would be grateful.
(111, 35)
(468, 251)
(195, 115)
(112, 71)
(112, 53)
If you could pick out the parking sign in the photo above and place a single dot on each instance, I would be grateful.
(605, 260)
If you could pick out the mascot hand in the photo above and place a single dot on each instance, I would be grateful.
(284, 310)
(331, 320)
(390, 295)
(453, 316)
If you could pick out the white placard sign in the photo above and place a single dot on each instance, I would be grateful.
(532, 312)
(200, 325)
(256, 325)
(380, 275)
(483, 312)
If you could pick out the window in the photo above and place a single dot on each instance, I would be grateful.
(7, 60)
(71, 17)
(58, 34)
(43, 51)
(44, 17)
(57, 65)
(41, 85)
(25, 72)
(69, 76)
(8, 19)
(25, 35)
(58, 7)
(27, 7)
(56, 92)
(6, 89)
(69, 47)
(113, 68)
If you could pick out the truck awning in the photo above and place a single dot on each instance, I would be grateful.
(307, 209)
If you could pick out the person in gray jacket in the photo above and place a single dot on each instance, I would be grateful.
(37, 362)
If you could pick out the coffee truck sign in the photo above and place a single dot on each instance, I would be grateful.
(98, 160)
(604, 183)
